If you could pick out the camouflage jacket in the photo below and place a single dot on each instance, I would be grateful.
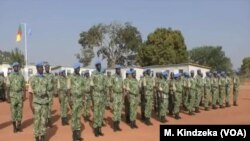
(149, 83)
(133, 86)
(39, 85)
(61, 83)
(1, 82)
(17, 82)
(75, 85)
(51, 81)
(87, 85)
(117, 83)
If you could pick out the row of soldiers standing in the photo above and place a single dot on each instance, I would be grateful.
(165, 94)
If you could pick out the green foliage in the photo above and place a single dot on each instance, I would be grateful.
(114, 42)
(212, 56)
(245, 67)
(10, 57)
(163, 46)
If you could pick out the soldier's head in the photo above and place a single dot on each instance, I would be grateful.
(148, 71)
(165, 74)
(192, 73)
(201, 75)
(176, 76)
(160, 75)
(228, 73)
(118, 69)
(157, 75)
(98, 66)
(77, 67)
(215, 73)
(199, 72)
(56, 74)
(134, 73)
(171, 75)
(39, 67)
(47, 67)
(62, 73)
(1, 73)
(16, 66)
(86, 73)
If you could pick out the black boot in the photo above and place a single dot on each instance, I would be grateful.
(134, 125)
(214, 107)
(206, 109)
(42, 138)
(197, 110)
(221, 106)
(74, 136)
(100, 131)
(127, 119)
(66, 121)
(227, 104)
(163, 119)
(78, 135)
(235, 103)
(148, 122)
(96, 132)
(14, 127)
(49, 123)
(191, 113)
(177, 116)
(118, 126)
(115, 126)
(63, 122)
(19, 127)
(37, 138)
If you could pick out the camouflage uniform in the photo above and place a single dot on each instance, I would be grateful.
(236, 85)
(63, 97)
(87, 98)
(39, 85)
(192, 91)
(126, 100)
(133, 89)
(228, 90)
(2, 93)
(108, 91)
(164, 88)
(207, 94)
(117, 87)
(199, 92)
(222, 86)
(177, 97)
(16, 86)
(98, 81)
(51, 81)
(148, 84)
(215, 91)
(75, 86)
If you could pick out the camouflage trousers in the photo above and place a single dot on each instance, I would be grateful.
(198, 96)
(117, 106)
(148, 103)
(99, 109)
(215, 95)
(222, 95)
(191, 100)
(207, 98)
(40, 117)
(63, 98)
(228, 93)
(86, 105)
(16, 107)
(76, 113)
(236, 94)
(51, 94)
(177, 102)
(164, 105)
(133, 103)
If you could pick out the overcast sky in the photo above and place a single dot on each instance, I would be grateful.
(56, 25)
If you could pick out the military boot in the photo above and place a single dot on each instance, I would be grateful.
(96, 132)
(235, 103)
(78, 135)
(191, 113)
(206, 109)
(115, 126)
(134, 125)
(100, 131)
(118, 126)
(177, 116)
(74, 136)
(227, 104)
(148, 122)
(63, 122)
(42, 138)
(49, 123)
(197, 110)
(214, 107)
(14, 127)
(163, 119)
(19, 127)
(37, 138)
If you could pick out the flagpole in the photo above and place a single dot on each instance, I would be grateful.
(26, 51)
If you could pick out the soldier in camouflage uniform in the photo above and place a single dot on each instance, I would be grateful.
(2, 93)
(207, 93)
(126, 96)
(236, 85)
(149, 85)
(51, 82)
(117, 88)
(142, 96)
(171, 94)
(133, 91)
(186, 90)
(97, 83)
(177, 95)
(39, 100)
(228, 89)
(75, 84)
(222, 86)
(199, 90)
(108, 90)
(87, 96)
(192, 91)
(215, 90)
(164, 89)
(17, 96)
(156, 93)
(63, 97)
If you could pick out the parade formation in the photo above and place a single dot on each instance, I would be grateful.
(166, 94)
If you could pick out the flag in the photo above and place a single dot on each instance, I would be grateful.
(19, 34)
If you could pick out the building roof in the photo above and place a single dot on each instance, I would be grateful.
(177, 65)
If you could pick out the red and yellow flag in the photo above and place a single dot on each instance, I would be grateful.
(19, 34)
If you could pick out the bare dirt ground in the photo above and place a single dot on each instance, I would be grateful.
(232, 115)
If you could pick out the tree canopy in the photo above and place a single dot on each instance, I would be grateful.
(115, 42)
(163, 46)
(13, 56)
(245, 67)
(212, 56)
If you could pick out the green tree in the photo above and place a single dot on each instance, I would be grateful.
(163, 46)
(115, 42)
(212, 56)
(14, 55)
(245, 67)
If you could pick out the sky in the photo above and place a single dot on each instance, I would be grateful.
(56, 25)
